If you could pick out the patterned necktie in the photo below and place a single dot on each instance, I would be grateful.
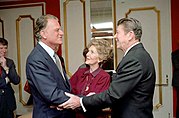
(59, 65)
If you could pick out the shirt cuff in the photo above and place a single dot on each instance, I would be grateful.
(82, 105)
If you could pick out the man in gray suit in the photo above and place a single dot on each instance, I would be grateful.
(130, 94)
(48, 85)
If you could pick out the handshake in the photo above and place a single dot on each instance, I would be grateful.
(72, 103)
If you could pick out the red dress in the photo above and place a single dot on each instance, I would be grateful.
(83, 82)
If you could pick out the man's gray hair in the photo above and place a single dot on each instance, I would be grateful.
(131, 24)
(41, 24)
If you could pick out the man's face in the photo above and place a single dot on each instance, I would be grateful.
(53, 33)
(3, 50)
(121, 38)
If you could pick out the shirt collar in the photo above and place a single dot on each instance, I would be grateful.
(130, 48)
(94, 73)
(49, 50)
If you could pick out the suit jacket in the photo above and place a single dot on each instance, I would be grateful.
(130, 94)
(7, 98)
(47, 85)
(175, 62)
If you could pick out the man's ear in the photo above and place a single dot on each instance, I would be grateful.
(42, 33)
(130, 35)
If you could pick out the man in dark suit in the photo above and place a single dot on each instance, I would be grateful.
(30, 100)
(130, 94)
(8, 75)
(175, 80)
(48, 84)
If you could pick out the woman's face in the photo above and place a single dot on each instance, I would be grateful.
(92, 57)
(3, 50)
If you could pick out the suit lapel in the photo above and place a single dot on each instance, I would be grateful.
(53, 65)
(140, 45)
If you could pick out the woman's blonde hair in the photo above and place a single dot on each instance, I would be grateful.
(103, 48)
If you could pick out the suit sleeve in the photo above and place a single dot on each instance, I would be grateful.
(2, 83)
(12, 75)
(128, 75)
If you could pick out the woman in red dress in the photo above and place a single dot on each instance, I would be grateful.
(92, 79)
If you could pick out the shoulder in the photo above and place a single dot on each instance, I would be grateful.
(103, 73)
(175, 53)
(138, 53)
(37, 54)
(81, 71)
(130, 62)
(79, 74)
(138, 59)
(103, 76)
(9, 61)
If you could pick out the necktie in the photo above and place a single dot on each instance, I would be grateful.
(59, 65)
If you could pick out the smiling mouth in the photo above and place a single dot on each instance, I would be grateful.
(87, 58)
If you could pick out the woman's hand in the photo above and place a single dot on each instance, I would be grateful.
(3, 63)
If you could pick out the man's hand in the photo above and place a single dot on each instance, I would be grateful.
(72, 103)
(56, 107)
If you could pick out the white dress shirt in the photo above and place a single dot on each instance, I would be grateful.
(49, 50)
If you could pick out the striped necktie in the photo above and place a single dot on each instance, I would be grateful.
(59, 65)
